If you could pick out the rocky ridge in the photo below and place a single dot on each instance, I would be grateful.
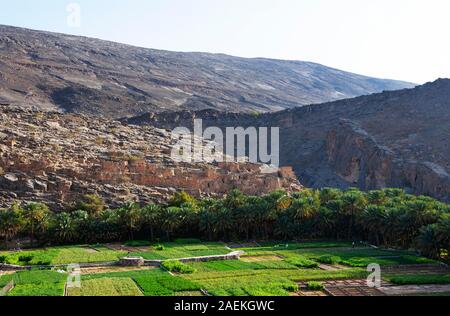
(391, 139)
(58, 72)
(57, 158)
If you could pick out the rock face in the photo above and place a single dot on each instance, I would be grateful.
(358, 159)
(57, 158)
(81, 75)
(392, 139)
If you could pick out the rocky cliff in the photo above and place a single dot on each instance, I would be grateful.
(392, 139)
(57, 159)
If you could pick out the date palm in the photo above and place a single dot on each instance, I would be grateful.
(171, 219)
(65, 228)
(354, 203)
(130, 216)
(150, 217)
(11, 223)
(37, 218)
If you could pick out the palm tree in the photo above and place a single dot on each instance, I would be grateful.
(392, 226)
(223, 222)
(305, 208)
(171, 219)
(150, 217)
(377, 197)
(326, 222)
(130, 216)
(283, 203)
(234, 200)
(329, 194)
(373, 219)
(428, 242)
(443, 234)
(65, 230)
(37, 217)
(11, 223)
(93, 204)
(245, 217)
(354, 203)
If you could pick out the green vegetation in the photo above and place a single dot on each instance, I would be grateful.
(138, 243)
(178, 267)
(70, 255)
(152, 282)
(106, 287)
(315, 286)
(387, 217)
(441, 294)
(327, 259)
(178, 250)
(265, 282)
(261, 272)
(35, 283)
(419, 279)
(234, 265)
(362, 257)
(61, 256)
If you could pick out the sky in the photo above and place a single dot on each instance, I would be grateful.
(397, 39)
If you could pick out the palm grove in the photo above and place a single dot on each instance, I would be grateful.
(387, 217)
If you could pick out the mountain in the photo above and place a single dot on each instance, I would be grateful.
(49, 71)
(391, 139)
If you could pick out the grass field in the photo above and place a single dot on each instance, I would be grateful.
(61, 256)
(153, 282)
(35, 283)
(179, 250)
(419, 279)
(106, 287)
(269, 270)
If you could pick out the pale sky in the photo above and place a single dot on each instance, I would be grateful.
(398, 39)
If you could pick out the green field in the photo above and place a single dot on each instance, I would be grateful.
(62, 256)
(106, 287)
(271, 269)
(98, 253)
(179, 250)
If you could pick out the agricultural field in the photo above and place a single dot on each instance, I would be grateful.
(267, 269)
(61, 256)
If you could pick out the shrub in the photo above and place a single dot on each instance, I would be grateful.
(301, 262)
(178, 267)
(315, 286)
(25, 258)
(327, 259)
(12, 259)
(159, 247)
(2, 259)
(185, 241)
(291, 287)
(138, 243)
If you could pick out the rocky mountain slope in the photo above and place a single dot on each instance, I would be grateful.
(392, 139)
(57, 159)
(51, 71)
